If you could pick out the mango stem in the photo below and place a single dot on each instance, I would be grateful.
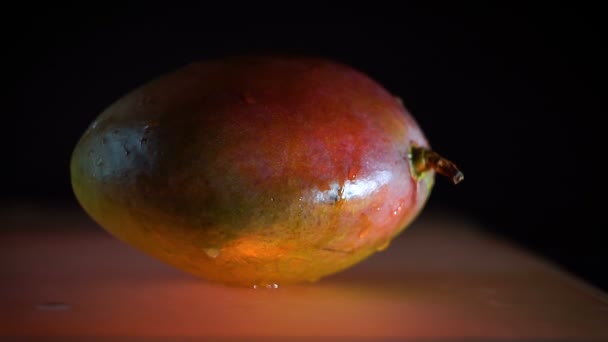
(424, 159)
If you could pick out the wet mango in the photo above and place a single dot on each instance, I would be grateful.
(257, 170)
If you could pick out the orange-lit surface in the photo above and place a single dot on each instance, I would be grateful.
(440, 280)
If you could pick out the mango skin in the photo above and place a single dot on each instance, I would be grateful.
(254, 170)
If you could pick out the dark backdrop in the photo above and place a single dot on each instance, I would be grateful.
(513, 94)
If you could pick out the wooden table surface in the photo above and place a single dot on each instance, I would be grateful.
(63, 278)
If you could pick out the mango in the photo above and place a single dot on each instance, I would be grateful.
(257, 170)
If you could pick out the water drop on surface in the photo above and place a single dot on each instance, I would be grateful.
(53, 306)
(268, 286)
(352, 172)
(364, 231)
(366, 226)
(271, 199)
(212, 252)
(383, 246)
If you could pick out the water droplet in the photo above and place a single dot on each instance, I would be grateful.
(99, 162)
(377, 208)
(212, 252)
(352, 172)
(271, 199)
(53, 306)
(394, 212)
(267, 286)
(366, 226)
(248, 98)
(383, 246)
(300, 199)
(364, 231)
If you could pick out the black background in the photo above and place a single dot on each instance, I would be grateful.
(512, 94)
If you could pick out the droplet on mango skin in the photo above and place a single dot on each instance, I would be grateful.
(212, 252)
(280, 160)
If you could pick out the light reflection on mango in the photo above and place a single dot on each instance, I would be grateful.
(353, 188)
